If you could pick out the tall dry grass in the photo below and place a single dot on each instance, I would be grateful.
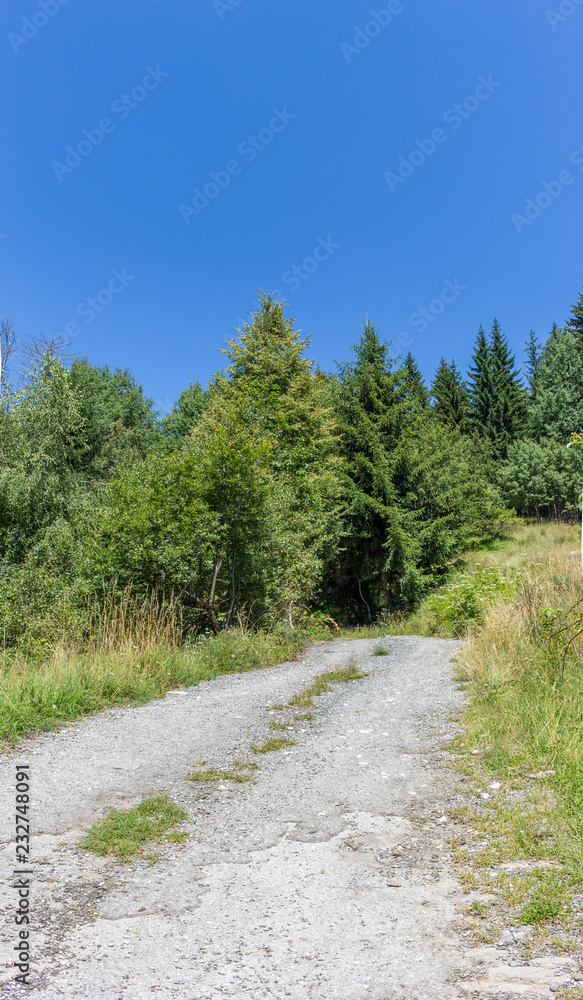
(526, 696)
(132, 650)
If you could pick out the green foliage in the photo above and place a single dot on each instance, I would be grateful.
(118, 422)
(558, 409)
(415, 489)
(41, 422)
(185, 414)
(499, 401)
(191, 522)
(463, 604)
(412, 386)
(451, 397)
(541, 477)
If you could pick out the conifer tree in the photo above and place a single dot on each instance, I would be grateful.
(558, 409)
(413, 388)
(574, 324)
(508, 410)
(499, 401)
(376, 549)
(533, 361)
(451, 397)
(480, 385)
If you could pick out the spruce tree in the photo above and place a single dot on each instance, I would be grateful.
(451, 397)
(498, 399)
(376, 549)
(574, 324)
(480, 385)
(269, 350)
(533, 361)
(413, 388)
(508, 410)
(558, 409)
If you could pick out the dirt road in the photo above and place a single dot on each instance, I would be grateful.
(326, 877)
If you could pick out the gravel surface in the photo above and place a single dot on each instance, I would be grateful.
(326, 877)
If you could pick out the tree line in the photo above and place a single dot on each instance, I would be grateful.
(278, 490)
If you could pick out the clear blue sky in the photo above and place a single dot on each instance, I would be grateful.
(204, 86)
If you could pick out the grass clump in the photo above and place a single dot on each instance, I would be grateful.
(272, 743)
(238, 773)
(381, 651)
(125, 832)
(324, 683)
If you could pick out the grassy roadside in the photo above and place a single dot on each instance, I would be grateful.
(44, 694)
(521, 749)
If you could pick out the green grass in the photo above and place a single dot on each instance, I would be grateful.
(381, 651)
(45, 695)
(124, 833)
(238, 773)
(523, 734)
(323, 683)
(272, 743)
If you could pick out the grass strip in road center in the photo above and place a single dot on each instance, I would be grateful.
(323, 683)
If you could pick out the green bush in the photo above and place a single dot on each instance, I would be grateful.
(464, 602)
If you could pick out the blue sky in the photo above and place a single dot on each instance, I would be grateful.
(337, 150)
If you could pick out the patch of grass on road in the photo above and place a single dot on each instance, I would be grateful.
(272, 743)
(381, 651)
(238, 773)
(124, 833)
(323, 683)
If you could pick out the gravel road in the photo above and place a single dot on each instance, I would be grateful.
(327, 877)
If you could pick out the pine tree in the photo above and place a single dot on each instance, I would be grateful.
(413, 388)
(507, 416)
(376, 549)
(533, 352)
(575, 322)
(451, 397)
(558, 409)
(480, 385)
(498, 399)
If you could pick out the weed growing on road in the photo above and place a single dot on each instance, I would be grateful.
(280, 725)
(239, 773)
(381, 651)
(324, 683)
(272, 743)
(125, 832)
